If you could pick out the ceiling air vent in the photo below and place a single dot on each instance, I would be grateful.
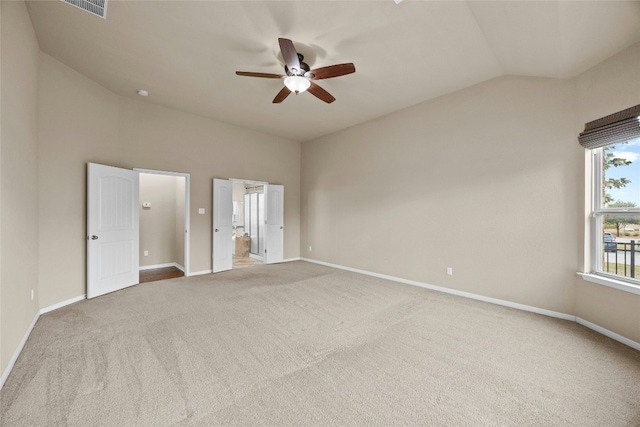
(94, 7)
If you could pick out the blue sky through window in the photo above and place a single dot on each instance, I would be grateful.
(631, 192)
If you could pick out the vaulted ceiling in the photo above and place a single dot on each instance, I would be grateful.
(185, 53)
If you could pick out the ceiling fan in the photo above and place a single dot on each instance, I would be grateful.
(298, 77)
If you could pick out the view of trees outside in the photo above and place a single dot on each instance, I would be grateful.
(621, 187)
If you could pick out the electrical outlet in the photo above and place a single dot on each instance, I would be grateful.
(450, 271)
(146, 253)
(309, 248)
(32, 294)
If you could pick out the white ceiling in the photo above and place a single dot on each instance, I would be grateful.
(185, 53)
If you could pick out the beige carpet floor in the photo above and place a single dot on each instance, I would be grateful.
(299, 344)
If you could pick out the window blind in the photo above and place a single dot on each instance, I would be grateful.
(619, 127)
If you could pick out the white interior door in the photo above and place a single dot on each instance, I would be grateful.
(274, 222)
(112, 229)
(222, 225)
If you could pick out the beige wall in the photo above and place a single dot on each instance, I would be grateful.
(18, 178)
(163, 139)
(488, 180)
(609, 87)
(78, 124)
(81, 122)
(158, 223)
(483, 180)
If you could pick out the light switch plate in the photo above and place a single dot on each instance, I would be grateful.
(201, 211)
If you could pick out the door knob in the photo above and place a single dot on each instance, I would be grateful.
(216, 230)
(94, 237)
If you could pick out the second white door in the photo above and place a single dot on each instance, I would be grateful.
(222, 225)
(274, 222)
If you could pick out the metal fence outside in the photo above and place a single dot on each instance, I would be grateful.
(622, 260)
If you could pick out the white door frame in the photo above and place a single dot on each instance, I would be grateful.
(187, 204)
(248, 181)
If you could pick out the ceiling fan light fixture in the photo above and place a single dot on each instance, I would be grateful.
(297, 84)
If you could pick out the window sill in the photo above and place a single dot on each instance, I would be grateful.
(611, 283)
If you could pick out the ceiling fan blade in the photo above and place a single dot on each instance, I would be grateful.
(281, 95)
(263, 75)
(289, 55)
(320, 93)
(331, 71)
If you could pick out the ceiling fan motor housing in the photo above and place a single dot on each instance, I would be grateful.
(303, 65)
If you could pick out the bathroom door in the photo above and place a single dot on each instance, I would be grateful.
(222, 225)
(274, 235)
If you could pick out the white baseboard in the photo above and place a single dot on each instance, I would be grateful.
(16, 354)
(200, 273)
(63, 303)
(166, 265)
(9, 368)
(608, 333)
(496, 301)
(469, 295)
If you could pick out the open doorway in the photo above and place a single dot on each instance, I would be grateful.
(248, 223)
(225, 233)
(164, 225)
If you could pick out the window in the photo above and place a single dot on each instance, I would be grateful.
(616, 212)
(615, 244)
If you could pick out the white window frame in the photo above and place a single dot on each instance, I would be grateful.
(597, 275)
